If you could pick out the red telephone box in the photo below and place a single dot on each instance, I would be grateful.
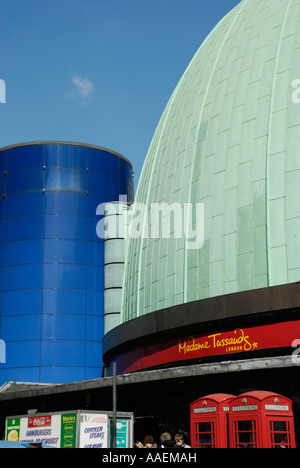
(208, 419)
(261, 419)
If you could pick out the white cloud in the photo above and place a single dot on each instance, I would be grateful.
(83, 86)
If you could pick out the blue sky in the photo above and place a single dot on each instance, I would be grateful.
(96, 71)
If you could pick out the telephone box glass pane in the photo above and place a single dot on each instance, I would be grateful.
(280, 434)
(205, 434)
(245, 434)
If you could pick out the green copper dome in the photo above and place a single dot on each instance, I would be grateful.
(229, 138)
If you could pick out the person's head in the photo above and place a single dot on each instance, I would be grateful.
(148, 441)
(179, 440)
(138, 444)
(165, 436)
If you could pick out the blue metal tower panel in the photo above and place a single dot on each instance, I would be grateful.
(51, 260)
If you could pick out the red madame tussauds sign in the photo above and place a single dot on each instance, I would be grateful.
(239, 340)
(228, 342)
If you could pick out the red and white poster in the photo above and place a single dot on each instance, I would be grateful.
(39, 421)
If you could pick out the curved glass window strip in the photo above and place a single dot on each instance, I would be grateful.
(17, 157)
(65, 203)
(61, 178)
(74, 157)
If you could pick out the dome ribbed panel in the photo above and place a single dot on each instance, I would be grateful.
(229, 138)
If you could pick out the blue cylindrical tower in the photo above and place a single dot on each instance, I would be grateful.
(52, 279)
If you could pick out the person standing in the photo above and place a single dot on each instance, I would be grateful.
(179, 441)
(166, 440)
(149, 442)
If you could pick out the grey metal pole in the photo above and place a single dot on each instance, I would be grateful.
(114, 405)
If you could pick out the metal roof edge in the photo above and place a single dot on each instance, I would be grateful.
(70, 143)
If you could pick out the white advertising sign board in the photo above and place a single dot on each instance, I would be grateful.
(71, 429)
(45, 429)
(93, 430)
